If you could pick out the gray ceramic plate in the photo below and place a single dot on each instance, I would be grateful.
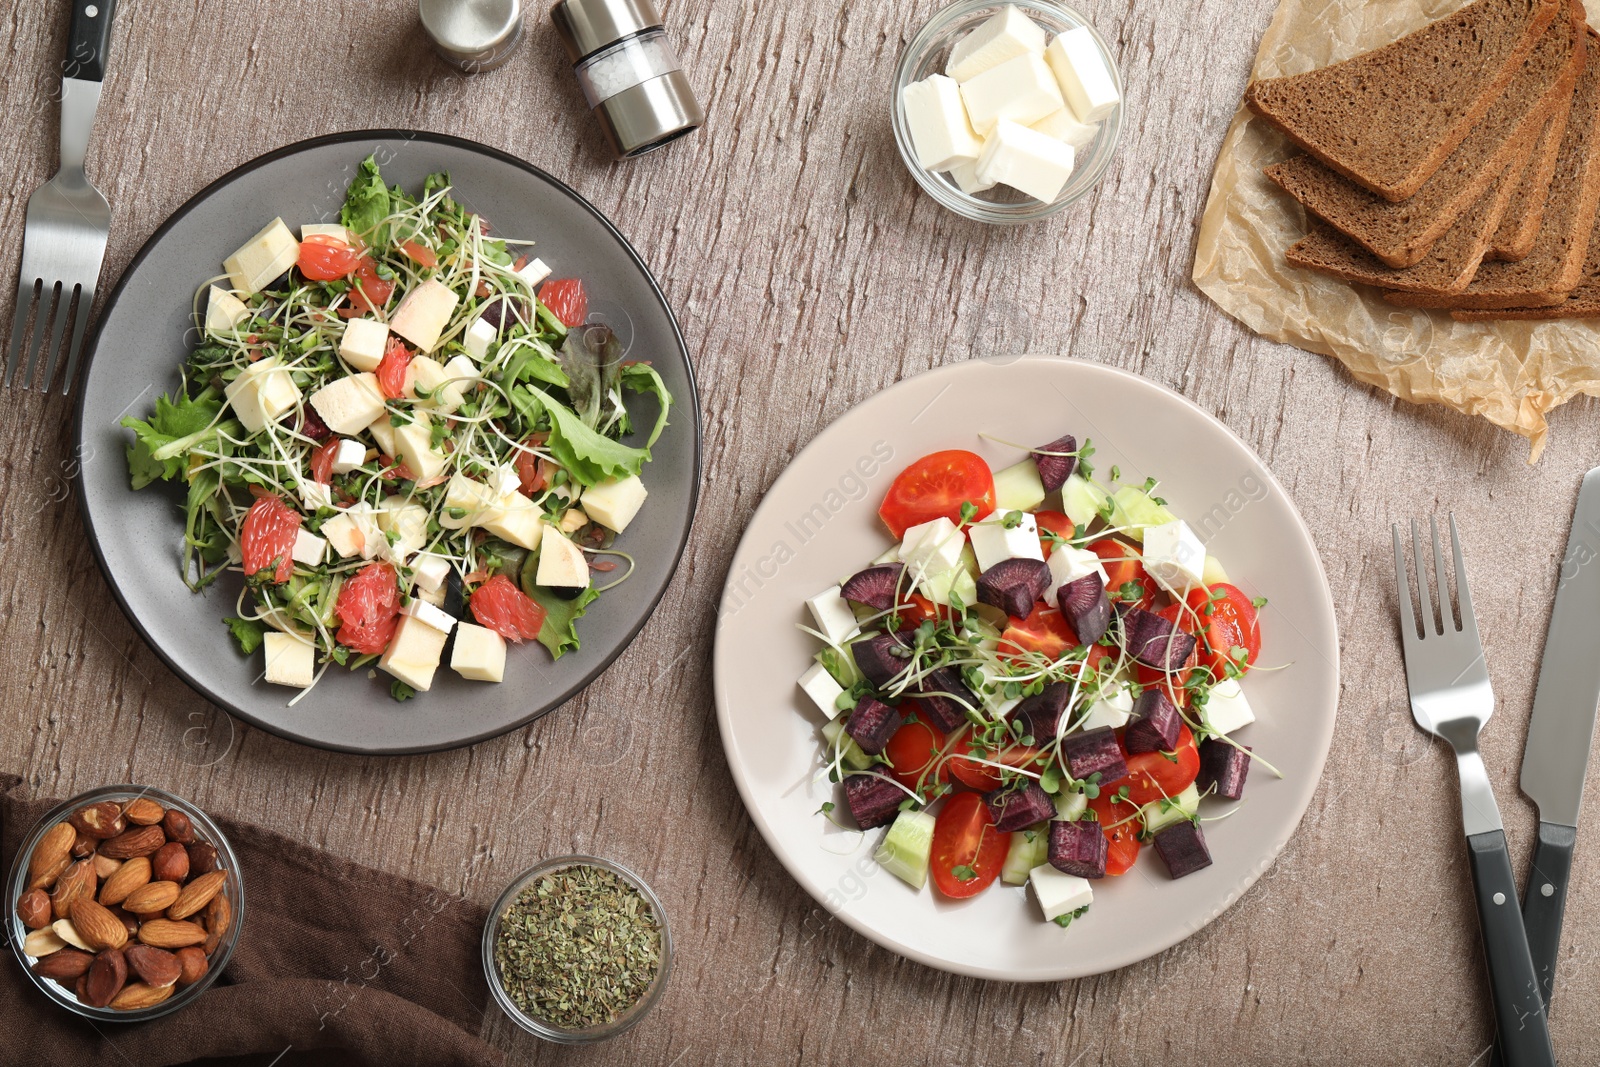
(145, 334)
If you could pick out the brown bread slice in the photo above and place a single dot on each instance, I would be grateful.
(1582, 303)
(1388, 118)
(1401, 234)
(1525, 214)
(1555, 265)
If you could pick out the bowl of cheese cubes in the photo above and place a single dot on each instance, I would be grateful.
(1007, 113)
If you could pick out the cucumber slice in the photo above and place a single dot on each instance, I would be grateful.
(1213, 572)
(1070, 805)
(1024, 855)
(850, 752)
(1082, 500)
(1160, 814)
(962, 579)
(841, 666)
(889, 555)
(1135, 510)
(1018, 487)
(907, 847)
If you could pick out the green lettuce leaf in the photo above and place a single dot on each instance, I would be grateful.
(642, 378)
(559, 633)
(589, 457)
(366, 204)
(160, 445)
(247, 633)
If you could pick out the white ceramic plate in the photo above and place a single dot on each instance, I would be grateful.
(819, 524)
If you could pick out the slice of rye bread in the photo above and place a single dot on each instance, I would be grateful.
(1401, 234)
(1555, 265)
(1387, 119)
(1448, 266)
(1582, 303)
(1525, 214)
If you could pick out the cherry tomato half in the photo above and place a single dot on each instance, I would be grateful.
(368, 292)
(937, 485)
(967, 769)
(1122, 566)
(1153, 775)
(968, 851)
(1225, 619)
(1055, 522)
(323, 259)
(1118, 818)
(1047, 631)
(912, 748)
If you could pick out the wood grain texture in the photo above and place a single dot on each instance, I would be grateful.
(809, 273)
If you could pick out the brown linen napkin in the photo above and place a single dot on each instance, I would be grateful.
(336, 964)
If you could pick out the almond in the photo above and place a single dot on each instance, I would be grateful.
(83, 845)
(219, 916)
(203, 858)
(170, 863)
(143, 812)
(43, 942)
(107, 975)
(33, 908)
(156, 966)
(69, 933)
(128, 920)
(105, 866)
(197, 894)
(178, 827)
(51, 855)
(152, 898)
(194, 965)
(97, 926)
(124, 880)
(67, 965)
(139, 841)
(165, 933)
(100, 820)
(136, 996)
(76, 881)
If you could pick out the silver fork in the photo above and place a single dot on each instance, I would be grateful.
(1451, 698)
(68, 221)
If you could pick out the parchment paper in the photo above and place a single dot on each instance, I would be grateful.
(1510, 373)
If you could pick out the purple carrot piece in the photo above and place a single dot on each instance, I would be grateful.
(881, 657)
(1183, 848)
(1079, 848)
(1094, 750)
(872, 723)
(1224, 766)
(944, 711)
(1154, 724)
(1012, 585)
(1014, 809)
(1054, 468)
(502, 313)
(1154, 641)
(1041, 713)
(1086, 607)
(873, 801)
(876, 587)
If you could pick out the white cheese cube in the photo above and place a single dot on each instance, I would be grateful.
(1064, 126)
(533, 272)
(518, 520)
(309, 230)
(363, 343)
(407, 522)
(1086, 80)
(824, 692)
(561, 563)
(614, 503)
(1059, 893)
(460, 375)
(262, 258)
(932, 548)
(833, 615)
(435, 617)
(504, 480)
(940, 132)
(355, 532)
(348, 456)
(430, 571)
(467, 503)
(413, 447)
(224, 311)
(965, 175)
(1226, 709)
(1068, 564)
(413, 654)
(1026, 160)
(432, 596)
(423, 314)
(314, 495)
(479, 654)
(1020, 90)
(1003, 36)
(993, 542)
(1174, 556)
(290, 661)
(348, 405)
(262, 394)
(308, 548)
(1113, 709)
(382, 431)
(479, 336)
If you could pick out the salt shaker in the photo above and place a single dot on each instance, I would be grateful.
(473, 35)
(629, 72)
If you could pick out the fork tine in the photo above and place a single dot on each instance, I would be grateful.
(52, 354)
(85, 301)
(1446, 613)
(41, 316)
(1423, 600)
(19, 328)
(1469, 618)
(1402, 581)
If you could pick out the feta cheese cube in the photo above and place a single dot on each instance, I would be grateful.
(932, 548)
(518, 520)
(833, 615)
(348, 456)
(308, 548)
(348, 405)
(504, 480)
(1226, 709)
(1059, 893)
(1085, 78)
(413, 654)
(290, 661)
(224, 311)
(429, 571)
(1113, 708)
(615, 502)
(1174, 556)
(1064, 126)
(1020, 90)
(1068, 564)
(355, 532)
(413, 447)
(314, 495)
(434, 616)
(262, 258)
(965, 175)
(479, 336)
(940, 133)
(561, 563)
(1003, 36)
(1026, 160)
(363, 343)
(533, 272)
(479, 654)
(993, 542)
(423, 314)
(460, 375)
(262, 393)
(824, 692)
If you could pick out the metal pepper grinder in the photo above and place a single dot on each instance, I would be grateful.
(473, 35)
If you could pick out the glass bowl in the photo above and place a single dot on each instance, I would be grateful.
(543, 1028)
(927, 53)
(205, 831)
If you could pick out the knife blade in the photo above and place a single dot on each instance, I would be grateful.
(1556, 755)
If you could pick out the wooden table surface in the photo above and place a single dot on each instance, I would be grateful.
(809, 272)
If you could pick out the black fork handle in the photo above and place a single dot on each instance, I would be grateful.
(89, 39)
(1518, 1003)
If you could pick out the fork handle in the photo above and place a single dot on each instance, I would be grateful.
(88, 39)
(1518, 1005)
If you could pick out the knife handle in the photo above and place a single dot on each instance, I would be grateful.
(88, 39)
(1518, 1006)
(1546, 899)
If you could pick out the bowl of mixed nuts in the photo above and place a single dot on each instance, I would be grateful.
(126, 903)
